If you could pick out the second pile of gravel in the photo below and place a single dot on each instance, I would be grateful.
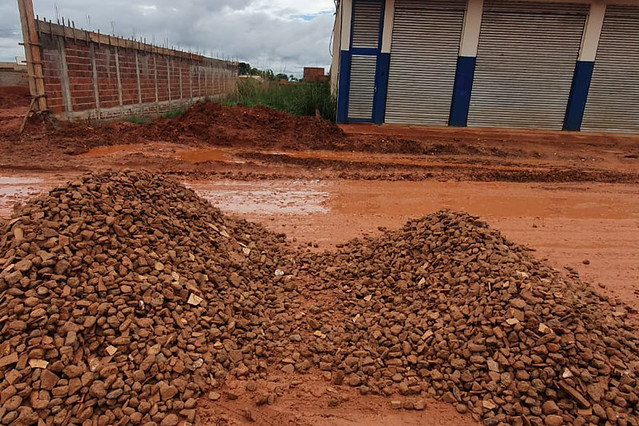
(448, 307)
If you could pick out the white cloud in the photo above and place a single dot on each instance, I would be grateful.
(293, 7)
(284, 35)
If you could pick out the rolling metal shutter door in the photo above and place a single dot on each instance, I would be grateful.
(367, 17)
(424, 54)
(525, 64)
(613, 100)
(362, 91)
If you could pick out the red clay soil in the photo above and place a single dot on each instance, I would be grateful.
(270, 138)
(14, 96)
(261, 128)
(245, 126)
(203, 124)
(14, 103)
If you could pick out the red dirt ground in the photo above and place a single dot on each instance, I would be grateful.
(571, 197)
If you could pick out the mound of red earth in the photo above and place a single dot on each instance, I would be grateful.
(124, 297)
(14, 96)
(448, 307)
(239, 125)
(205, 123)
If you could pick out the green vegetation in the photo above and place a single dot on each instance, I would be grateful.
(138, 119)
(246, 69)
(143, 119)
(177, 112)
(303, 99)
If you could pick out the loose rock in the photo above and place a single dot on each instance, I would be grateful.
(129, 288)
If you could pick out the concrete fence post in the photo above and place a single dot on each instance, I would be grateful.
(169, 63)
(180, 68)
(206, 82)
(119, 78)
(155, 78)
(213, 79)
(191, 80)
(94, 80)
(64, 79)
(137, 72)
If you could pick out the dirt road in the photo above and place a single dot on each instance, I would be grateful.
(572, 198)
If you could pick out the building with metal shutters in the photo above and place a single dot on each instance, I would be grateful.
(571, 64)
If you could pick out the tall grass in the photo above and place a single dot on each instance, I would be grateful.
(177, 112)
(302, 99)
(138, 119)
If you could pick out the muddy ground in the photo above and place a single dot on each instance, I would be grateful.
(572, 198)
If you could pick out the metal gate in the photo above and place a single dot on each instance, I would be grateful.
(613, 100)
(365, 46)
(426, 38)
(525, 64)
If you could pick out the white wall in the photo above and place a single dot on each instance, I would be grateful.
(337, 45)
(592, 32)
(472, 28)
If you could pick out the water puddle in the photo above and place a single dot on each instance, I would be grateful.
(102, 151)
(265, 198)
(204, 155)
(394, 159)
(164, 150)
(14, 190)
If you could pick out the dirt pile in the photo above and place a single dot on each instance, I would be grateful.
(204, 124)
(14, 96)
(125, 295)
(448, 307)
(259, 126)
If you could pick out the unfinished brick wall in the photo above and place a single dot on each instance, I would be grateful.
(92, 76)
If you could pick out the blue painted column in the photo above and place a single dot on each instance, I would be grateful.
(584, 68)
(578, 95)
(344, 68)
(462, 91)
(381, 88)
(466, 62)
(383, 63)
(344, 86)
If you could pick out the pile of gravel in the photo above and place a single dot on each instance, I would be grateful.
(449, 307)
(124, 296)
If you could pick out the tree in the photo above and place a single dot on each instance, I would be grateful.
(281, 76)
(267, 75)
(244, 68)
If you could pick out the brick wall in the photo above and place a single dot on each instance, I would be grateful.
(314, 75)
(92, 76)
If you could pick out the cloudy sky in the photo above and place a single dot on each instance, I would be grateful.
(283, 35)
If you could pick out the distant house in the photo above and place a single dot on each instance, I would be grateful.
(13, 74)
(489, 63)
(252, 77)
(314, 75)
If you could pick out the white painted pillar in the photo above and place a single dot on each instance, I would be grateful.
(344, 60)
(472, 28)
(347, 15)
(592, 32)
(389, 21)
(337, 46)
